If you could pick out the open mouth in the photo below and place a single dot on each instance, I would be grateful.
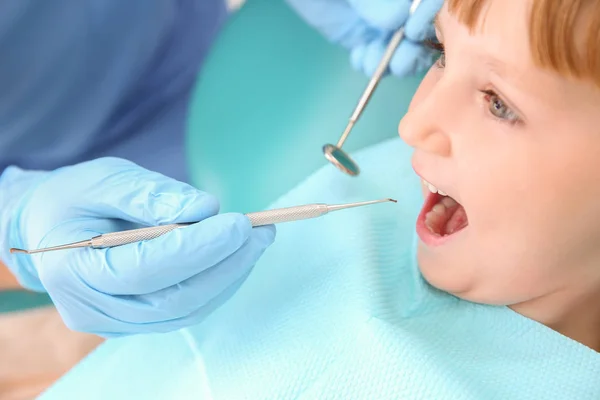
(441, 217)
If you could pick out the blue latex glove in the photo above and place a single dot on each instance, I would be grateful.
(160, 285)
(366, 26)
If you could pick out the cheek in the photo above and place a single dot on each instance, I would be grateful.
(534, 199)
(533, 220)
(517, 229)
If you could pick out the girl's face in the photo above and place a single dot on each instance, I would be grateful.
(518, 148)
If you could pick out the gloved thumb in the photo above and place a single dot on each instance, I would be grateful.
(420, 25)
(366, 58)
(121, 189)
(392, 14)
(383, 14)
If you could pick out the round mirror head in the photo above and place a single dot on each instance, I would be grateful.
(340, 159)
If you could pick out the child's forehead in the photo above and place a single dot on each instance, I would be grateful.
(561, 35)
(499, 47)
(499, 36)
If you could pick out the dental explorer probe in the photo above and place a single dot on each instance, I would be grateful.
(259, 218)
(334, 153)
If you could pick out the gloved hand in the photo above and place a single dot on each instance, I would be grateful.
(160, 285)
(366, 26)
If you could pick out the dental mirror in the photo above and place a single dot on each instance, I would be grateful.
(340, 159)
(335, 154)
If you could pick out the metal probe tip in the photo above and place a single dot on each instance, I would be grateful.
(18, 251)
(336, 207)
(83, 243)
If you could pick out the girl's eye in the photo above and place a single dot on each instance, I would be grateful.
(498, 108)
(438, 48)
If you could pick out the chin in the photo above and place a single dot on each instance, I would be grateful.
(444, 274)
(459, 277)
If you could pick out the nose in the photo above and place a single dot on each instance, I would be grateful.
(423, 126)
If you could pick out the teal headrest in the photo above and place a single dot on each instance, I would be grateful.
(270, 95)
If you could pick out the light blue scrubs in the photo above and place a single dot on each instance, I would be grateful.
(81, 79)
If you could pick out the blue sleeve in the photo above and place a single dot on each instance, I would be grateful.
(80, 77)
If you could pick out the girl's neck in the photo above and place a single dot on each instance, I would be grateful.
(574, 316)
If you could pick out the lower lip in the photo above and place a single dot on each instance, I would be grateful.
(429, 238)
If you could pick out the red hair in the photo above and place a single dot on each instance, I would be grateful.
(564, 35)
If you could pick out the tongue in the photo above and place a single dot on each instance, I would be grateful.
(446, 217)
(457, 221)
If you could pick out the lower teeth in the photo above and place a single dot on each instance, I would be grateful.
(440, 214)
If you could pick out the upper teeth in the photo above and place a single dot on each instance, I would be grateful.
(433, 189)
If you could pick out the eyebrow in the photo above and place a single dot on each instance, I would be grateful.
(494, 63)
(497, 66)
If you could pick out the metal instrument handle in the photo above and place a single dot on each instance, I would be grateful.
(256, 218)
(376, 78)
(382, 67)
(287, 214)
(132, 235)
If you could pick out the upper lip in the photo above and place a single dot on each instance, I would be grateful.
(433, 182)
(439, 188)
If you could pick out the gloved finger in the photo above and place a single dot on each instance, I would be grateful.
(100, 314)
(411, 58)
(59, 269)
(420, 25)
(333, 18)
(367, 58)
(114, 328)
(141, 267)
(373, 56)
(383, 14)
(85, 309)
(360, 34)
(146, 267)
(427, 34)
(357, 56)
(127, 191)
(198, 291)
(80, 310)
